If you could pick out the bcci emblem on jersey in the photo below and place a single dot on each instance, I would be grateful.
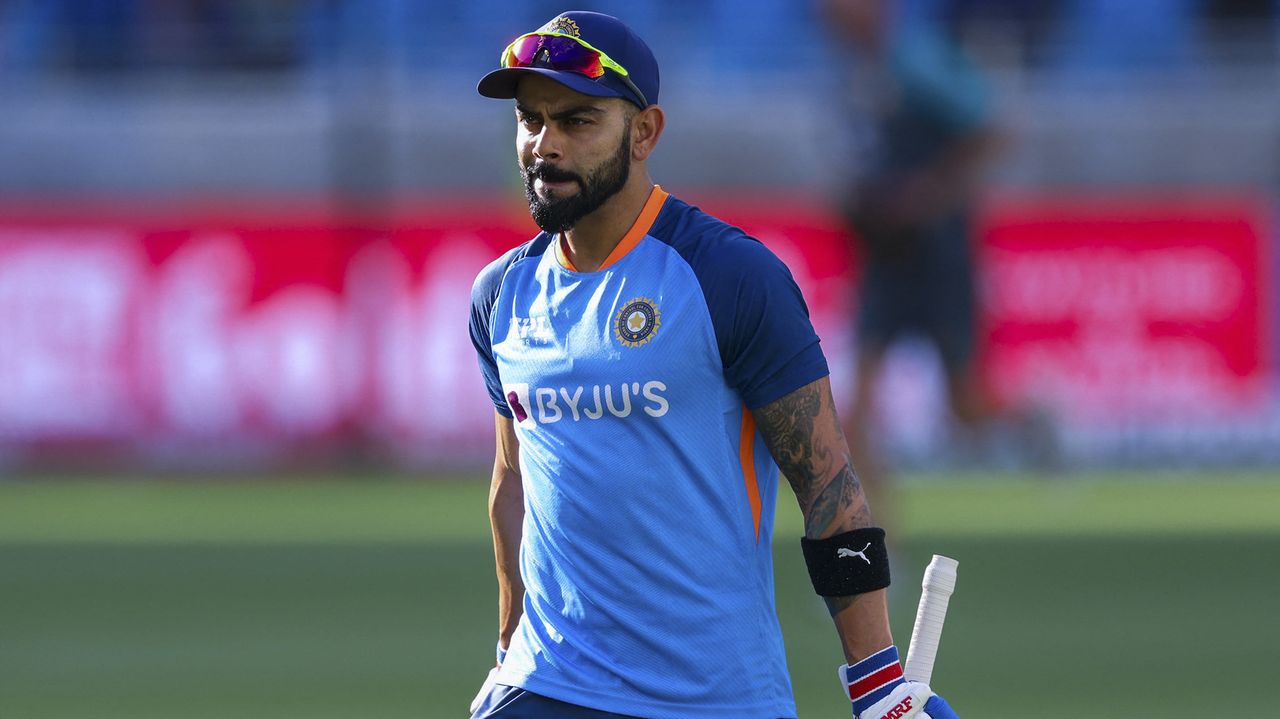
(637, 323)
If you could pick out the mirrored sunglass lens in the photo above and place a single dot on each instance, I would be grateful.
(571, 55)
(562, 53)
(524, 50)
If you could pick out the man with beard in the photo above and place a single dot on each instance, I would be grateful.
(652, 368)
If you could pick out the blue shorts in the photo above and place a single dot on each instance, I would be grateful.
(506, 702)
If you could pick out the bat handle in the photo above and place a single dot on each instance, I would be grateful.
(939, 582)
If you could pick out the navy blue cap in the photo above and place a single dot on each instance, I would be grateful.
(607, 34)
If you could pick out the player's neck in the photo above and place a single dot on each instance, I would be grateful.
(589, 243)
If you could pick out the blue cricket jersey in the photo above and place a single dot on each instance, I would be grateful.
(649, 494)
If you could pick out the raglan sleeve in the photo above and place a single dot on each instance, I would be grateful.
(484, 294)
(767, 342)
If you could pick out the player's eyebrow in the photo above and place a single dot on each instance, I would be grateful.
(577, 110)
(562, 114)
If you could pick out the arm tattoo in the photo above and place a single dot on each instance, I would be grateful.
(835, 605)
(804, 437)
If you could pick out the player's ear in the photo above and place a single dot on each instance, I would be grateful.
(646, 128)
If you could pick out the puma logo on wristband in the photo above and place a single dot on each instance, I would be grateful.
(845, 552)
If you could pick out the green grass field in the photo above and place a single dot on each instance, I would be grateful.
(1101, 596)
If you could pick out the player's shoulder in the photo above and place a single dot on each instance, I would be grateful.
(710, 245)
(489, 280)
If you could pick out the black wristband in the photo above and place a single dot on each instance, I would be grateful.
(850, 563)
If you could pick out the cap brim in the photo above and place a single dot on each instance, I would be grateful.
(501, 84)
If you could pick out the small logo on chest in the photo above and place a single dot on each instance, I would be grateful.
(638, 322)
(533, 330)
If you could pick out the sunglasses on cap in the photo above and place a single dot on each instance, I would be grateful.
(565, 53)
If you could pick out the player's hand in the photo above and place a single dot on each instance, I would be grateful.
(910, 700)
(878, 691)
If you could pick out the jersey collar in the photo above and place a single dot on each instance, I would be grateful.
(640, 228)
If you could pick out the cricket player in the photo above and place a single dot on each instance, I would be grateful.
(652, 368)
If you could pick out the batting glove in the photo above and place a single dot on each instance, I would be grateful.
(878, 691)
(489, 681)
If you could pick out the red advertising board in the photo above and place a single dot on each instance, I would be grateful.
(266, 333)
(1132, 306)
(123, 330)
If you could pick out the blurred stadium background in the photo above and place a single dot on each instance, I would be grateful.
(243, 442)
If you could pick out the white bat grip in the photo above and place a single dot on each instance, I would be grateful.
(939, 582)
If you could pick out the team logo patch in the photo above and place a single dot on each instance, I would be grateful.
(562, 25)
(637, 323)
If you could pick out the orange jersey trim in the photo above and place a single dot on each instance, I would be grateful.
(639, 228)
(747, 455)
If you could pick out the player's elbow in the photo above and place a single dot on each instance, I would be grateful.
(506, 492)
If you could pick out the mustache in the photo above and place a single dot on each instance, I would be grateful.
(549, 173)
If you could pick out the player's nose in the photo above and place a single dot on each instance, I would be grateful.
(546, 144)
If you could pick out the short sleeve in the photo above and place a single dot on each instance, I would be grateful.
(768, 347)
(484, 293)
(767, 343)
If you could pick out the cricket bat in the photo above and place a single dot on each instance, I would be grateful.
(939, 582)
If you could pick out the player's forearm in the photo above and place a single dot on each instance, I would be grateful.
(862, 621)
(804, 437)
(506, 516)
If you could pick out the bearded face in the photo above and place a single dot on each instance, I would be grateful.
(555, 210)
